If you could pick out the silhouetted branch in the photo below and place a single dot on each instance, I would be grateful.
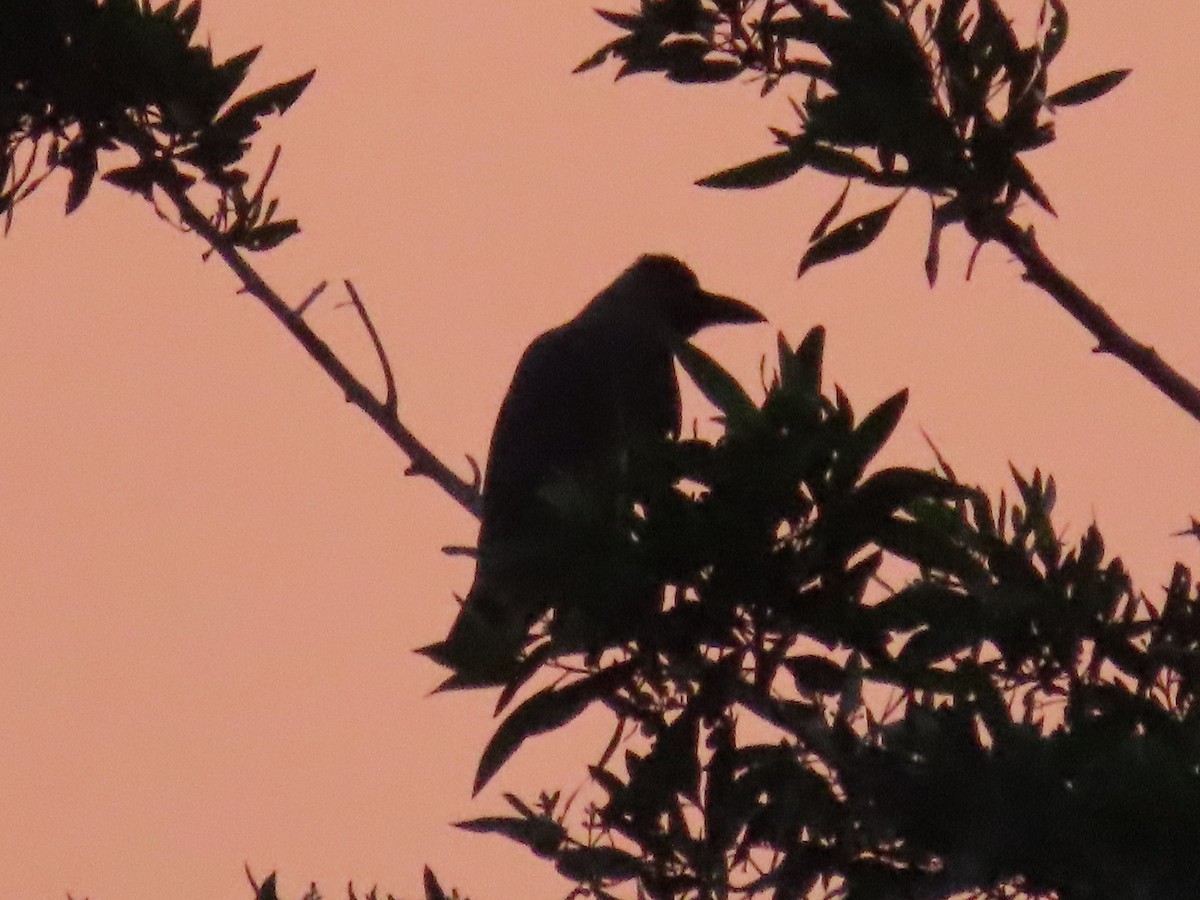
(391, 401)
(382, 413)
(1111, 337)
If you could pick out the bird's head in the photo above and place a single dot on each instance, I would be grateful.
(684, 307)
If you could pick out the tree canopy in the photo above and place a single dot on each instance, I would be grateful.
(852, 681)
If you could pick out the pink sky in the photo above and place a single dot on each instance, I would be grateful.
(215, 570)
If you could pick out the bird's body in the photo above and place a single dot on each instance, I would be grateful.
(583, 395)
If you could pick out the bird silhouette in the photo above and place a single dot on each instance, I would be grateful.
(583, 396)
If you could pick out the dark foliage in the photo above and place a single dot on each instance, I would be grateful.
(938, 95)
(82, 78)
(1012, 716)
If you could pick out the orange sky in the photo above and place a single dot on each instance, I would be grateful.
(214, 569)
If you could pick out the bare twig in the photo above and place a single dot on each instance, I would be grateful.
(1111, 338)
(391, 400)
(311, 298)
(382, 413)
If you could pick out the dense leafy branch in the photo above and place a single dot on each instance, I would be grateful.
(942, 96)
(1011, 717)
(80, 79)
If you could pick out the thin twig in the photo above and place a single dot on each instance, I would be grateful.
(424, 461)
(1111, 338)
(391, 400)
(311, 298)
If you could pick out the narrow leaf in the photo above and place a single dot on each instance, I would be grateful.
(433, 890)
(830, 214)
(545, 711)
(1088, 89)
(757, 173)
(83, 165)
(1056, 32)
(592, 864)
(815, 674)
(541, 835)
(596, 59)
(722, 389)
(855, 235)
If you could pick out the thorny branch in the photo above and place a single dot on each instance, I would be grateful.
(382, 412)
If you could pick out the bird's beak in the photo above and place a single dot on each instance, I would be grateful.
(717, 309)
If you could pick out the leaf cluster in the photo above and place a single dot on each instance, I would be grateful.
(939, 95)
(80, 78)
(1012, 716)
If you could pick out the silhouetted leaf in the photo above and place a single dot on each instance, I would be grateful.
(596, 59)
(266, 890)
(231, 73)
(942, 639)
(817, 674)
(188, 19)
(1088, 89)
(591, 864)
(545, 711)
(541, 835)
(927, 548)
(135, 179)
(273, 100)
(272, 234)
(433, 890)
(1056, 32)
(837, 162)
(722, 389)
(830, 215)
(920, 603)
(869, 437)
(757, 173)
(855, 235)
(83, 164)
(901, 487)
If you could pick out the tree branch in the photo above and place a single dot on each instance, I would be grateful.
(1111, 337)
(382, 412)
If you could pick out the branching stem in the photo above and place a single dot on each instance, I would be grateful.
(382, 412)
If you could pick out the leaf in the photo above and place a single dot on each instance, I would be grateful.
(926, 547)
(596, 59)
(761, 172)
(135, 179)
(433, 890)
(855, 235)
(545, 711)
(830, 215)
(817, 674)
(871, 434)
(897, 487)
(1088, 89)
(270, 235)
(939, 641)
(1056, 32)
(231, 73)
(188, 19)
(838, 162)
(541, 835)
(592, 864)
(272, 100)
(266, 890)
(921, 603)
(83, 164)
(704, 71)
(628, 21)
(722, 389)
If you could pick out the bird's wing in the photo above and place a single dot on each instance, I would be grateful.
(558, 415)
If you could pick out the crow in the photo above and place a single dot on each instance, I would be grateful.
(584, 394)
